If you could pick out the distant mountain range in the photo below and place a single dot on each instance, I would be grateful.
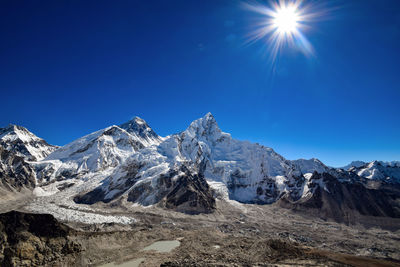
(190, 170)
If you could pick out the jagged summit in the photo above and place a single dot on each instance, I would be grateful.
(15, 131)
(138, 126)
(204, 128)
(23, 143)
(379, 170)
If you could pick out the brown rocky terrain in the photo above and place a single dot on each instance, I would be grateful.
(34, 240)
(233, 235)
(345, 202)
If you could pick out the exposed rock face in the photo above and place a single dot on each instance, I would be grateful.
(33, 240)
(182, 190)
(190, 194)
(18, 148)
(343, 201)
(15, 173)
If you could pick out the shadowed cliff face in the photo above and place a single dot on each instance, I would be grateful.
(191, 194)
(345, 201)
(33, 239)
(182, 190)
(15, 173)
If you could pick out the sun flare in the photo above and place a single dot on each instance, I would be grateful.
(281, 23)
(286, 19)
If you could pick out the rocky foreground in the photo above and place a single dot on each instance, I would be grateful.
(258, 236)
(34, 240)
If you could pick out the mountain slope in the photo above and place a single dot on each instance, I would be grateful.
(356, 164)
(96, 152)
(15, 172)
(379, 171)
(346, 201)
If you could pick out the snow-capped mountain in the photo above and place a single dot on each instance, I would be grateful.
(187, 171)
(23, 143)
(310, 165)
(233, 169)
(142, 131)
(96, 152)
(356, 164)
(379, 171)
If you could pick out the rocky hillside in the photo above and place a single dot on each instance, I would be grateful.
(343, 201)
(34, 240)
(15, 172)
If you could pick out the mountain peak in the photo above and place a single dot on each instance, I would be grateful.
(13, 128)
(21, 141)
(209, 115)
(138, 120)
(205, 126)
(139, 127)
(354, 164)
(12, 132)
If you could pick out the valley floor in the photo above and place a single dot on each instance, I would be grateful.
(234, 235)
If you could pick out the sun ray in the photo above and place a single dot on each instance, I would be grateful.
(281, 24)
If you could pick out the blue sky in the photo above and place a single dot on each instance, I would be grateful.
(68, 68)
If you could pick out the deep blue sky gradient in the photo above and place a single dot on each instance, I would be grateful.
(68, 68)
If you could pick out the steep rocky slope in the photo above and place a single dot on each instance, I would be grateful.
(344, 201)
(15, 172)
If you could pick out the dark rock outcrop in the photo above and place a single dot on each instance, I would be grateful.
(34, 240)
(345, 201)
(183, 190)
(15, 173)
(190, 194)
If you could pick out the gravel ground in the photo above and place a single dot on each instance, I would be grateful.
(234, 235)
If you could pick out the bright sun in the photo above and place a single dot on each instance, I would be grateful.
(282, 23)
(286, 19)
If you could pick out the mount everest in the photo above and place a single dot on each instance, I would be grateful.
(189, 171)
